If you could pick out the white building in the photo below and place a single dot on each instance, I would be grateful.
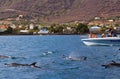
(31, 26)
(13, 26)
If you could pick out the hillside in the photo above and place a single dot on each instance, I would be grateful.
(59, 10)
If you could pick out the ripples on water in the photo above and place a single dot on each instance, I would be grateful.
(61, 57)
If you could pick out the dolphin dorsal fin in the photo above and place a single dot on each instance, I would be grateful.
(113, 61)
(33, 64)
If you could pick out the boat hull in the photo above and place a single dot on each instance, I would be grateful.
(102, 41)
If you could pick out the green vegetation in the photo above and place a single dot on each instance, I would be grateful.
(66, 28)
(69, 28)
(9, 30)
(82, 28)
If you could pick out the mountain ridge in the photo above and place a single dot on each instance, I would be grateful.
(60, 10)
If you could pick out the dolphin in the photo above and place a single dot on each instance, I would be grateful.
(17, 65)
(2, 56)
(113, 63)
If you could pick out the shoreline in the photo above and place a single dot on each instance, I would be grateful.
(36, 34)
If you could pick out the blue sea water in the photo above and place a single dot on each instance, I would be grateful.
(59, 57)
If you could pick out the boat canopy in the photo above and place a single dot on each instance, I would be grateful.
(94, 29)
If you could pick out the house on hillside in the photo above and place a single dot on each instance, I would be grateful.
(3, 28)
(13, 26)
(31, 26)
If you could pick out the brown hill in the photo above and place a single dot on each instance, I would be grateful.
(60, 10)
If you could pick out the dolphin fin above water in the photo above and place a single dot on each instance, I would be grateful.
(33, 64)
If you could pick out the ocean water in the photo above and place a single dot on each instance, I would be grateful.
(59, 56)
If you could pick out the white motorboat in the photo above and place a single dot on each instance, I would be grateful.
(110, 41)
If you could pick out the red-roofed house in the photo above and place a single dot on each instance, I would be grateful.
(3, 28)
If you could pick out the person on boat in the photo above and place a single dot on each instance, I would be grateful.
(103, 35)
(113, 33)
(92, 35)
(109, 33)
